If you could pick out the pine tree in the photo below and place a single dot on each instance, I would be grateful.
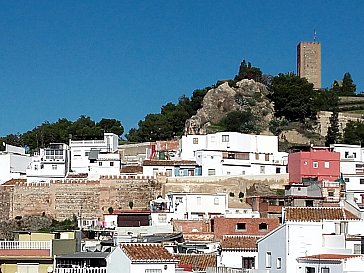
(348, 87)
(333, 133)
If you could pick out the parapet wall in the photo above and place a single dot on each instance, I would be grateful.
(62, 199)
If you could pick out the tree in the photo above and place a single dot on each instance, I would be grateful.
(354, 133)
(333, 133)
(325, 100)
(292, 97)
(348, 87)
(111, 126)
(247, 71)
(243, 122)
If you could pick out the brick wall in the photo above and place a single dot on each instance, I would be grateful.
(235, 226)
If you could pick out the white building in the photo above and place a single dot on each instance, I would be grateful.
(352, 169)
(239, 251)
(96, 157)
(13, 163)
(144, 258)
(306, 232)
(49, 163)
(331, 263)
(195, 206)
(232, 153)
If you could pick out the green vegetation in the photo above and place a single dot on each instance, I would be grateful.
(66, 224)
(171, 120)
(333, 133)
(62, 130)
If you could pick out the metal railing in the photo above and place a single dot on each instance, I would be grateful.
(81, 270)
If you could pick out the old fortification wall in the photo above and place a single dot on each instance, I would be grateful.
(63, 199)
(223, 184)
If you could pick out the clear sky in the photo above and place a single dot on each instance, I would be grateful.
(124, 59)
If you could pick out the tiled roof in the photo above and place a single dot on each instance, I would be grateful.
(317, 214)
(199, 262)
(148, 253)
(14, 182)
(246, 243)
(131, 169)
(198, 236)
(168, 162)
(336, 257)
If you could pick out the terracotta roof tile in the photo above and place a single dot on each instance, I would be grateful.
(199, 262)
(168, 162)
(131, 169)
(154, 253)
(198, 236)
(330, 257)
(14, 182)
(246, 243)
(317, 214)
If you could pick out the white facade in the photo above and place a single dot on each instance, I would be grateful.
(234, 258)
(13, 163)
(195, 206)
(332, 265)
(49, 163)
(96, 157)
(300, 239)
(232, 153)
(352, 168)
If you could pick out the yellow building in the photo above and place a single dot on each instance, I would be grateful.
(33, 252)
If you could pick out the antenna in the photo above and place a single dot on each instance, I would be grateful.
(314, 35)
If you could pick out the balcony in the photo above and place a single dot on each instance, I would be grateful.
(81, 270)
(25, 248)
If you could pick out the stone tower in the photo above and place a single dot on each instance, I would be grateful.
(309, 62)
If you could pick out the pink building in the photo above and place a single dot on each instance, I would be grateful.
(320, 162)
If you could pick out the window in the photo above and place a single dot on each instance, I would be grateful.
(153, 271)
(357, 248)
(354, 155)
(262, 169)
(225, 138)
(346, 154)
(325, 270)
(169, 172)
(216, 200)
(211, 172)
(100, 163)
(240, 226)
(361, 181)
(315, 165)
(327, 165)
(268, 259)
(266, 157)
(198, 200)
(195, 140)
(310, 269)
(54, 167)
(87, 153)
(263, 226)
(330, 193)
(111, 164)
(231, 156)
(279, 263)
(278, 170)
(346, 179)
(309, 203)
(256, 156)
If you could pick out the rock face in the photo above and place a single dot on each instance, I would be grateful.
(219, 101)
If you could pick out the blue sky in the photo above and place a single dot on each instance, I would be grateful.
(124, 59)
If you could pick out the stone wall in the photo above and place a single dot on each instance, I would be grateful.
(223, 184)
(63, 199)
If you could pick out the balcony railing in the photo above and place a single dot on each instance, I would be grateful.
(81, 270)
(25, 244)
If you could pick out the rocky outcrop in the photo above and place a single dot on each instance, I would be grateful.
(247, 95)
